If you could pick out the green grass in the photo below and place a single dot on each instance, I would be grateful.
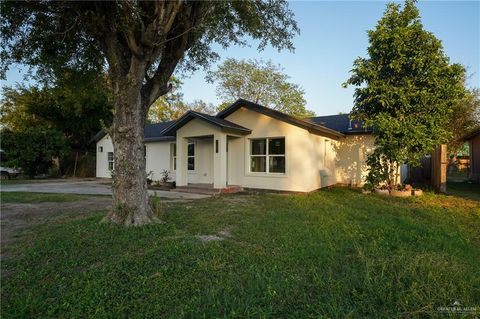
(333, 254)
(464, 189)
(27, 197)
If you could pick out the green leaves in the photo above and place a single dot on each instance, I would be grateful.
(34, 148)
(406, 88)
(260, 82)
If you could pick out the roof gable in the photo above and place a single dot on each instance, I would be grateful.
(307, 125)
(223, 124)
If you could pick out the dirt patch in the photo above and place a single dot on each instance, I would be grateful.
(16, 217)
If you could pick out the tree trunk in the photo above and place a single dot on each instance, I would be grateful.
(131, 203)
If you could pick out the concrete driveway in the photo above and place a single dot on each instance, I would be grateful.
(87, 187)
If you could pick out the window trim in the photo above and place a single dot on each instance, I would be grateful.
(110, 161)
(173, 157)
(267, 156)
(192, 156)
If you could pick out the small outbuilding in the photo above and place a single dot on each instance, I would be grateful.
(473, 140)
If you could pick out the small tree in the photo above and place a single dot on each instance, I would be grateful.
(406, 91)
(260, 82)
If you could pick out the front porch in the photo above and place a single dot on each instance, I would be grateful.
(202, 153)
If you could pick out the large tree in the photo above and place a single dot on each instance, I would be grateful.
(260, 82)
(406, 90)
(141, 43)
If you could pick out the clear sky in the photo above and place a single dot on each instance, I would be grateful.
(332, 35)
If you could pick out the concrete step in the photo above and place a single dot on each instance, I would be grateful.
(210, 191)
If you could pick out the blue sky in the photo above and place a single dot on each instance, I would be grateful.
(332, 35)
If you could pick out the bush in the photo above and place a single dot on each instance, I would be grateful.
(33, 149)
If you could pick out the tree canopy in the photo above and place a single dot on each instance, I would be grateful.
(172, 105)
(406, 89)
(141, 43)
(261, 82)
(78, 105)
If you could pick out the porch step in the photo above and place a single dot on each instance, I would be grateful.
(209, 191)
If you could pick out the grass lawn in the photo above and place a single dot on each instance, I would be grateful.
(334, 253)
(27, 197)
(464, 189)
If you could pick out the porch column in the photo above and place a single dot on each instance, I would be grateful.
(181, 175)
(219, 160)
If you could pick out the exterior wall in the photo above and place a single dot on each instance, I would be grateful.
(351, 154)
(158, 159)
(304, 168)
(102, 157)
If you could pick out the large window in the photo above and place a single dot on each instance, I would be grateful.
(110, 161)
(191, 156)
(267, 155)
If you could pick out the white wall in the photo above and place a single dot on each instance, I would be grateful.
(351, 156)
(158, 158)
(102, 157)
(303, 150)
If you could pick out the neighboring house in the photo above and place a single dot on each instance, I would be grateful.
(252, 146)
(473, 140)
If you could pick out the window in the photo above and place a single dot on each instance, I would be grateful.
(100, 149)
(191, 156)
(110, 161)
(267, 155)
(173, 156)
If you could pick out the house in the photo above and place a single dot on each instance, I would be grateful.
(252, 146)
(473, 140)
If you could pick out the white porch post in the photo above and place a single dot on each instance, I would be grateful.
(181, 175)
(220, 160)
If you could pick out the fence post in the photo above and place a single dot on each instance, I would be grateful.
(439, 169)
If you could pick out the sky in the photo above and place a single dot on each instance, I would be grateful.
(332, 35)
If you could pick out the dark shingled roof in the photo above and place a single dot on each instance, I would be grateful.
(303, 123)
(332, 125)
(340, 123)
(154, 130)
(152, 133)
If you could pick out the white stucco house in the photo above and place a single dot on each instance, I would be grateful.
(252, 146)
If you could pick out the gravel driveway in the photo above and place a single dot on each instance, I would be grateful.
(89, 187)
